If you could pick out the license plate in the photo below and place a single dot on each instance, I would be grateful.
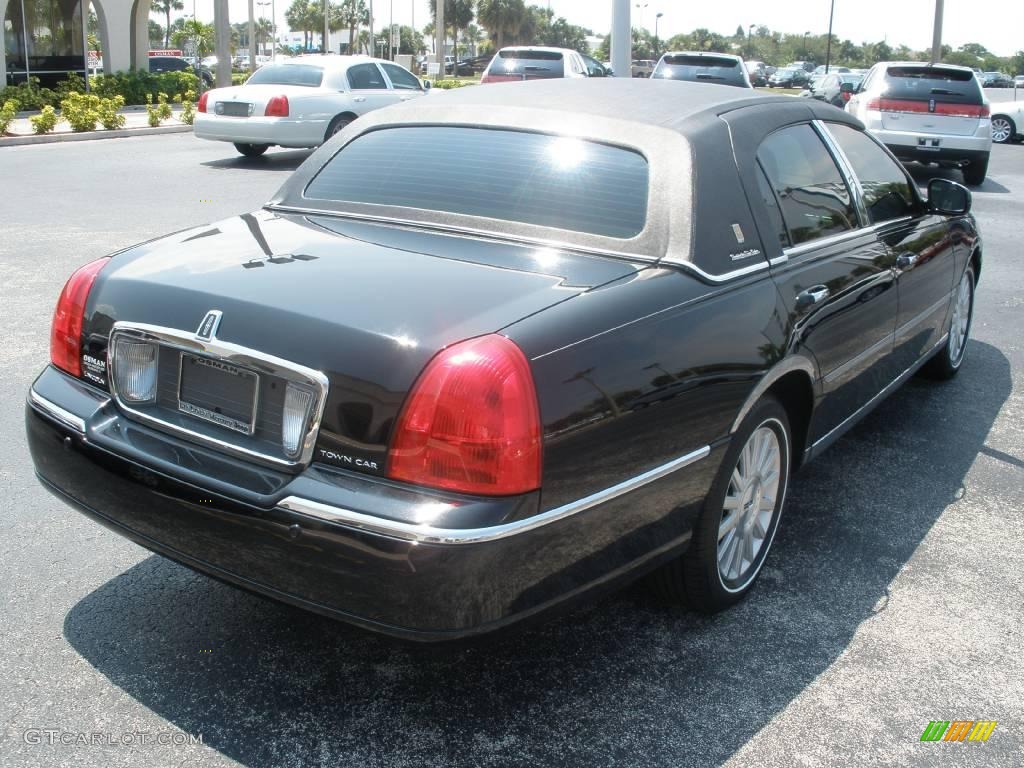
(233, 108)
(218, 392)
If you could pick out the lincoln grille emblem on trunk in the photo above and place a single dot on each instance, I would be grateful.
(207, 330)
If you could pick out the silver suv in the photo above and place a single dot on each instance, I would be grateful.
(931, 113)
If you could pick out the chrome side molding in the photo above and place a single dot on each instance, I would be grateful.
(428, 534)
(55, 412)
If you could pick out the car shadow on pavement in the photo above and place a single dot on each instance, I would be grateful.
(627, 680)
(287, 160)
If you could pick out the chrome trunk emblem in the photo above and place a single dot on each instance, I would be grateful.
(207, 330)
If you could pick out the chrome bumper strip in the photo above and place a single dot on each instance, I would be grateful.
(430, 535)
(55, 412)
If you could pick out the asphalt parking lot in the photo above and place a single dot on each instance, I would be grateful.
(894, 594)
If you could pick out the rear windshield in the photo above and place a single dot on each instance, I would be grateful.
(528, 64)
(702, 68)
(952, 86)
(531, 178)
(287, 74)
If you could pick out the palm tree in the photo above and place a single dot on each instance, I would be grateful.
(165, 7)
(501, 17)
(354, 14)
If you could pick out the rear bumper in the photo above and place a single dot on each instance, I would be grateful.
(909, 145)
(351, 547)
(281, 131)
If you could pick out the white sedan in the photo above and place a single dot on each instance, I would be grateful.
(1007, 121)
(301, 102)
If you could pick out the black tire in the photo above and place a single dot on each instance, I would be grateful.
(976, 171)
(252, 150)
(947, 362)
(1012, 126)
(338, 124)
(695, 578)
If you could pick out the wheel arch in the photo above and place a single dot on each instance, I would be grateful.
(791, 382)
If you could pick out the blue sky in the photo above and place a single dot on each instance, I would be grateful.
(996, 24)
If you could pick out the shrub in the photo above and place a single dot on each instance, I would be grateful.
(239, 78)
(45, 121)
(7, 113)
(81, 111)
(29, 95)
(447, 85)
(164, 109)
(110, 117)
(188, 108)
(135, 86)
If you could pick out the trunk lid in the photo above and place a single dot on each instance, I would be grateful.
(368, 305)
(931, 100)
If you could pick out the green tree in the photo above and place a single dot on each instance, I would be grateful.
(354, 15)
(562, 34)
(165, 7)
(195, 32)
(301, 16)
(458, 14)
(501, 19)
(156, 34)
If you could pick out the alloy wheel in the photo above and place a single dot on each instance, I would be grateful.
(960, 325)
(1001, 131)
(749, 507)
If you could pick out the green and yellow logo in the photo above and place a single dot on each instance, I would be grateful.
(958, 730)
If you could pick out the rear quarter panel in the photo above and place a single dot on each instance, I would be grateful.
(645, 370)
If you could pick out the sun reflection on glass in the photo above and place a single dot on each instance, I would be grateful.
(566, 153)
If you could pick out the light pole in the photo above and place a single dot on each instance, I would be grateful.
(642, 6)
(805, 45)
(937, 33)
(750, 45)
(657, 41)
(828, 47)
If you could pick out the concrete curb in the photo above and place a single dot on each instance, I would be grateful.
(53, 138)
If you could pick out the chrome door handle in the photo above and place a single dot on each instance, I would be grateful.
(358, 98)
(813, 295)
(405, 98)
(907, 260)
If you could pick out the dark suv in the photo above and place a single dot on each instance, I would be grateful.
(177, 64)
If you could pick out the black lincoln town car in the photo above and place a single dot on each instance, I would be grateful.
(490, 351)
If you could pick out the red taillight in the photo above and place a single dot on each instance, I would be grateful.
(924, 107)
(202, 101)
(66, 331)
(485, 79)
(471, 423)
(277, 107)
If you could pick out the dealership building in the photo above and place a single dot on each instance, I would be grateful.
(46, 38)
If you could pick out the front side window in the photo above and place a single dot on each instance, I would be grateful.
(401, 78)
(887, 192)
(366, 77)
(813, 197)
(530, 178)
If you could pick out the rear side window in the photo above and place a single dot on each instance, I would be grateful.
(887, 192)
(287, 74)
(812, 195)
(945, 86)
(712, 69)
(529, 64)
(531, 178)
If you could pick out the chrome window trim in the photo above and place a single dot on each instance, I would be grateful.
(846, 169)
(188, 341)
(798, 250)
(427, 534)
(55, 412)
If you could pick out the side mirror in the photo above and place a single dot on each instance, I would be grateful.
(427, 85)
(948, 198)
